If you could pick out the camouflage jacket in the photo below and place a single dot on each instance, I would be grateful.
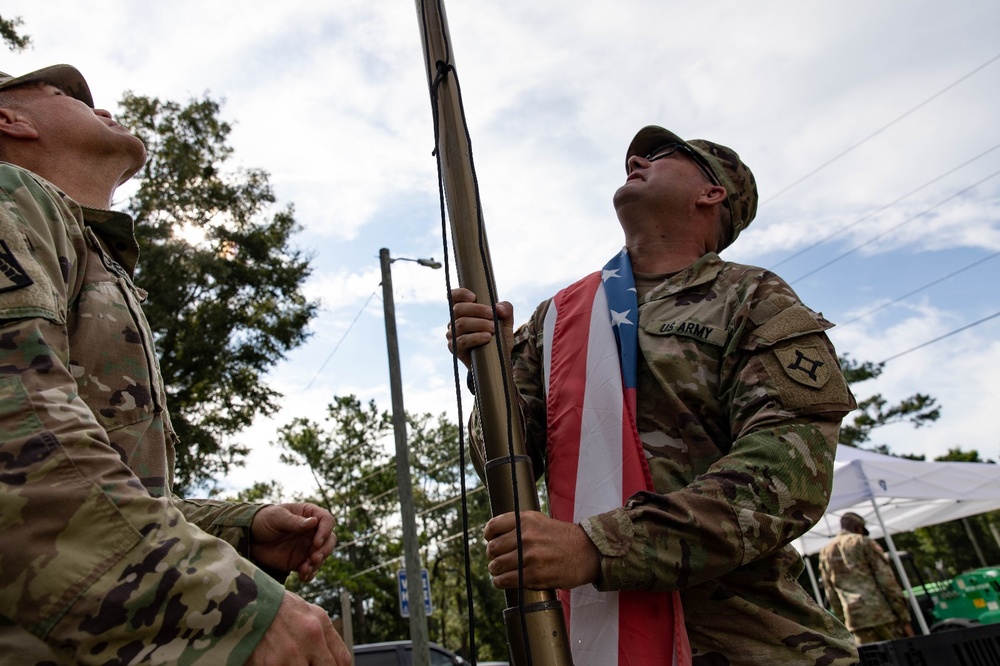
(98, 559)
(860, 585)
(740, 398)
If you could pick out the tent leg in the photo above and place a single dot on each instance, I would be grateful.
(812, 579)
(902, 573)
(975, 543)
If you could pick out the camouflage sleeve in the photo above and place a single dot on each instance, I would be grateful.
(770, 489)
(90, 562)
(771, 485)
(229, 521)
(527, 370)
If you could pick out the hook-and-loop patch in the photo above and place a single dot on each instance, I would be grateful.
(12, 276)
(807, 364)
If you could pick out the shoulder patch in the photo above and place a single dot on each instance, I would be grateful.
(807, 364)
(12, 276)
(806, 375)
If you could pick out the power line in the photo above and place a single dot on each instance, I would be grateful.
(375, 532)
(880, 130)
(437, 543)
(381, 470)
(919, 289)
(886, 206)
(890, 230)
(337, 346)
(941, 337)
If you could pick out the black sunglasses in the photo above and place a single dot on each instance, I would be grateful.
(671, 148)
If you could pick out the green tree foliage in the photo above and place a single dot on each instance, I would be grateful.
(350, 456)
(8, 32)
(225, 300)
(918, 409)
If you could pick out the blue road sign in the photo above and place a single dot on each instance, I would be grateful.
(404, 601)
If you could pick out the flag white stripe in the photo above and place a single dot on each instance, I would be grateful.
(594, 614)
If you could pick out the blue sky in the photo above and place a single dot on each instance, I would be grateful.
(331, 99)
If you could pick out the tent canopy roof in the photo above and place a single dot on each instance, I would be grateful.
(909, 494)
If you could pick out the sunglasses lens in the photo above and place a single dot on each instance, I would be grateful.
(664, 151)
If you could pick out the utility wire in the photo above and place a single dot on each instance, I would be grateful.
(880, 130)
(375, 532)
(337, 346)
(890, 230)
(941, 337)
(439, 542)
(886, 206)
(919, 289)
(381, 470)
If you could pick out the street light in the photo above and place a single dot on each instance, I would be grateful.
(411, 547)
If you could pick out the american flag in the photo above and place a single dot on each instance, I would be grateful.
(591, 350)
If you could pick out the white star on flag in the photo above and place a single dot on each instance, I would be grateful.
(606, 274)
(619, 318)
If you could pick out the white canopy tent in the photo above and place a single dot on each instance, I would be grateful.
(896, 495)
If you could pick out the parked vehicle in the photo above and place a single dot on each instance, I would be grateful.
(399, 653)
(968, 599)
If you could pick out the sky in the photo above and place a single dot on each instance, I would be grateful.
(870, 127)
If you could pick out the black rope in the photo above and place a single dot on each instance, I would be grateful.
(443, 70)
(458, 387)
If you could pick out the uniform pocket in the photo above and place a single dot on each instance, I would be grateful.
(112, 357)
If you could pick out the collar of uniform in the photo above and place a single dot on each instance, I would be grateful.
(700, 272)
(117, 230)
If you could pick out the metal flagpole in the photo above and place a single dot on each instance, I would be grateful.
(535, 627)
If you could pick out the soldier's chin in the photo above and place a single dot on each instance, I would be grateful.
(136, 164)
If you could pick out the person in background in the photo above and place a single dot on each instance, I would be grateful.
(99, 562)
(861, 587)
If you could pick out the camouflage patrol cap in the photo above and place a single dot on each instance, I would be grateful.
(65, 77)
(727, 167)
(852, 521)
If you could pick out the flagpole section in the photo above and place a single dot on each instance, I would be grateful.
(536, 628)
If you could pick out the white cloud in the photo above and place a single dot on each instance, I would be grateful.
(332, 100)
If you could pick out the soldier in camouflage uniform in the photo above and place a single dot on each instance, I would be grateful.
(740, 399)
(860, 586)
(99, 562)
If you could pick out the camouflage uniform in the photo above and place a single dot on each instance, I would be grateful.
(862, 589)
(99, 560)
(740, 398)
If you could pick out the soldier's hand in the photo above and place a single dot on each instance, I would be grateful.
(300, 635)
(292, 537)
(474, 324)
(557, 554)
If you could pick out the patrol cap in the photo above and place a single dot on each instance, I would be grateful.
(65, 77)
(727, 167)
(852, 520)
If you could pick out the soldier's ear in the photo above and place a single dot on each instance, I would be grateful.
(16, 125)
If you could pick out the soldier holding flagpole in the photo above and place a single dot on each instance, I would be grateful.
(684, 411)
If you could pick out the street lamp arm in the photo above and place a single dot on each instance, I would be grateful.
(429, 263)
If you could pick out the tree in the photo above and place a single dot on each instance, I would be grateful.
(8, 32)
(919, 409)
(350, 459)
(225, 301)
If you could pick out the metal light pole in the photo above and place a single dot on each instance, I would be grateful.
(411, 546)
